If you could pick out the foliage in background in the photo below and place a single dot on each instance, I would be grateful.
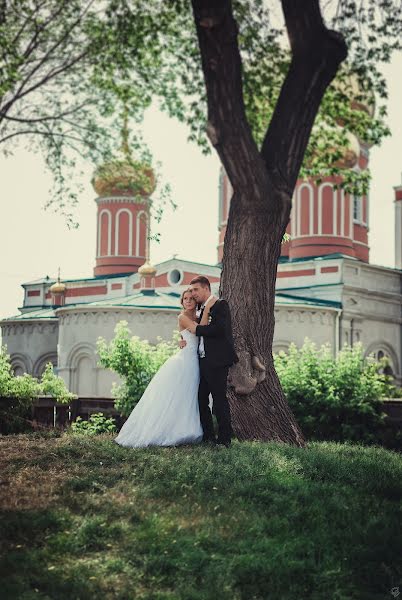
(135, 360)
(335, 399)
(73, 71)
(54, 386)
(22, 390)
(96, 424)
(355, 99)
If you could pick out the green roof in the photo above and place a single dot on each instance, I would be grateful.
(293, 299)
(142, 299)
(42, 313)
(335, 255)
(153, 299)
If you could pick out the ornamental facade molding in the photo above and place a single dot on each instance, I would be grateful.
(313, 315)
(18, 328)
(120, 200)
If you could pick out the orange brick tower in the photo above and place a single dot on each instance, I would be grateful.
(123, 188)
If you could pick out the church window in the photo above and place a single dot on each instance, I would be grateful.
(175, 276)
(357, 209)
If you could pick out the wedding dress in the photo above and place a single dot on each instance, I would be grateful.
(167, 413)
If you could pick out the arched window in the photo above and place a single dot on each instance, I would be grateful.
(357, 209)
(42, 361)
(305, 209)
(141, 235)
(81, 362)
(327, 209)
(20, 364)
(123, 232)
(381, 351)
(105, 233)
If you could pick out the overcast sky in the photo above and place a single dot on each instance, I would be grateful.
(34, 242)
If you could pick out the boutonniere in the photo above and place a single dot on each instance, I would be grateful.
(209, 319)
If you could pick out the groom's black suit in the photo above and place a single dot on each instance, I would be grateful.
(219, 356)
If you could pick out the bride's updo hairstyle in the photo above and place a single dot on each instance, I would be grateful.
(182, 296)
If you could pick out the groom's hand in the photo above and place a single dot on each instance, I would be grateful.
(182, 344)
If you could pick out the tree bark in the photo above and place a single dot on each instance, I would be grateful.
(263, 183)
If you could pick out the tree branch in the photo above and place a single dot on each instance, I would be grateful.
(316, 55)
(43, 81)
(47, 118)
(49, 134)
(20, 93)
(228, 128)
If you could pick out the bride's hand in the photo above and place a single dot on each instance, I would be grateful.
(192, 327)
(210, 302)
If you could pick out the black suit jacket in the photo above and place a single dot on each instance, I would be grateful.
(218, 336)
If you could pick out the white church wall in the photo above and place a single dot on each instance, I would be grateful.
(31, 344)
(78, 334)
(371, 277)
(297, 324)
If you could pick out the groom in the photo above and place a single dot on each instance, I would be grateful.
(216, 354)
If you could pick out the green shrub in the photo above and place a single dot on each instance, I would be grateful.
(334, 399)
(52, 385)
(96, 424)
(22, 390)
(135, 360)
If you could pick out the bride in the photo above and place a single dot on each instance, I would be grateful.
(167, 413)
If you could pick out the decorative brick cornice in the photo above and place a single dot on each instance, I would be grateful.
(120, 200)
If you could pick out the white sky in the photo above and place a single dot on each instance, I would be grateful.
(34, 242)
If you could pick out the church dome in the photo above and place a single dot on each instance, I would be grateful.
(58, 287)
(124, 177)
(351, 153)
(147, 269)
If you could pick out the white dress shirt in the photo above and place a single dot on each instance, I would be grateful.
(201, 348)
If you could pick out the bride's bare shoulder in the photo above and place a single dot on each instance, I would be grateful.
(184, 319)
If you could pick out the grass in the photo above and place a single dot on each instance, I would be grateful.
(84, 518)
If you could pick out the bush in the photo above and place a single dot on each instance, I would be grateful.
(135, 360)
(96, 424)
(334, 399)
(21, 391)
(54, 386)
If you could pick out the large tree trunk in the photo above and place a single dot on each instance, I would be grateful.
(263, 183)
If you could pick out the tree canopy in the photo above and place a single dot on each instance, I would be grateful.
(72, 70)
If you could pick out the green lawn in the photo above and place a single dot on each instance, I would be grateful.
(83, 518)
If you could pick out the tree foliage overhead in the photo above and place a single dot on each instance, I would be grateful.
(72, 73)
(356, 99)
(71, 70)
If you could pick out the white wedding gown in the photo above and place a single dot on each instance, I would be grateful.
(167, 413)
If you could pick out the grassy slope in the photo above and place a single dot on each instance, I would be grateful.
(84, 518)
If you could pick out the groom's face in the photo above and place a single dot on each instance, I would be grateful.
(200, 293)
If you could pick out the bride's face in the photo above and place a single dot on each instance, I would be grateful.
(188, 301)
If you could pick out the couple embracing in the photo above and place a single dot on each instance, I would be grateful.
(175, 407)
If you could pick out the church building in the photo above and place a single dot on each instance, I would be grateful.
(327, 290)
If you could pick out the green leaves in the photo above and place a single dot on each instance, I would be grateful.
(23, 389)
(135, 360)
(69, 69)
(95, 425)
(334, 399)
(52, 385)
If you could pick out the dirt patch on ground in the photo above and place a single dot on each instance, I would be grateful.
(25, 484)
